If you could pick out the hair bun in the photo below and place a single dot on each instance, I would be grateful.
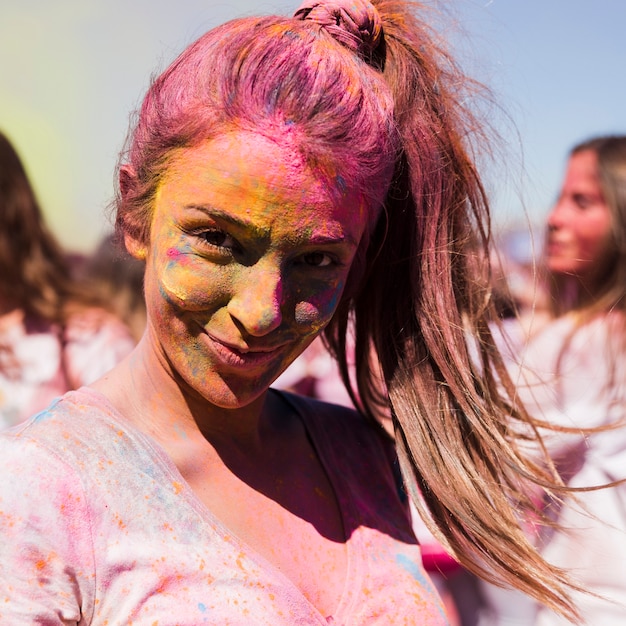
(354, 23)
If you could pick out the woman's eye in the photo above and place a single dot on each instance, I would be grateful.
(583, 202)
(218, 239)
(317, 259)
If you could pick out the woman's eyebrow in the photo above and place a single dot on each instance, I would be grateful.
(339, 238)
(323, 237)
(235, 220)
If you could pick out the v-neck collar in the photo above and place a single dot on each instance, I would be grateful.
(322, 445)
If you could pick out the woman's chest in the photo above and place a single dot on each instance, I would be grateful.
(184, 570)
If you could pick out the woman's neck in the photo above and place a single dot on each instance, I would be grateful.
(147, 393)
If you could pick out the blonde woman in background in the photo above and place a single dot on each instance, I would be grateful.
(570, 365)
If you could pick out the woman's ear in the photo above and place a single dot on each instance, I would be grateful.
(136, 248)
(126, 177)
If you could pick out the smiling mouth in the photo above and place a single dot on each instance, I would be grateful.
(243, 358)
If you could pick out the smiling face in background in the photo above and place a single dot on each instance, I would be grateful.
(249, 255)
(579, 226)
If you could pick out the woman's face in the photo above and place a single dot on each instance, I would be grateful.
(249, 255)
(579, 226)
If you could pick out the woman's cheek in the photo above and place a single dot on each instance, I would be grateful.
(183, 285)
(308, 316)
(316, 310)
(173, 290)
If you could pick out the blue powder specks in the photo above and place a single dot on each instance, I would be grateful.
(202, 607)
(180, 431)
(412, 568)
(340, 181)
(47, 412)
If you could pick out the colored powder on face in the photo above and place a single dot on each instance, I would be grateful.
(174, 281)
(172, 291)
(271, 209)
(173, 253)
(307, 314)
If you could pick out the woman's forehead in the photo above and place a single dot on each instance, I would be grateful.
(263, 160)
(249, 174)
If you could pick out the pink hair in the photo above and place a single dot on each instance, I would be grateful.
(271, 75)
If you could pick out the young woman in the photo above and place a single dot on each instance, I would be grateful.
(54, 333)
(573, 376)
(285, 177)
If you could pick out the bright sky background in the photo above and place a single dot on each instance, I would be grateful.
(72, 71)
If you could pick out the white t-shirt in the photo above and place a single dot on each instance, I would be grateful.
(99, 527)
(583, 387)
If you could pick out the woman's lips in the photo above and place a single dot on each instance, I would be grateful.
(243, 357)
(555, 247)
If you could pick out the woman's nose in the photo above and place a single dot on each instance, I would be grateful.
(257, 301)
(556, 216)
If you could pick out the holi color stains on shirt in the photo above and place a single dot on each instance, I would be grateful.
(98, 527)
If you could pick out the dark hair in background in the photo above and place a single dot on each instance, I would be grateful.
(117, 277)
(34, 271)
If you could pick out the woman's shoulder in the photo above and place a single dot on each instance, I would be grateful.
(533, 333)
(522, 328)
(72, 424)
(362, 453)
(333, 417)
(346, 438)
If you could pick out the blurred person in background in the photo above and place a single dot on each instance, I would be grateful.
(54, 334)
(569, 360)
(118, 279)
